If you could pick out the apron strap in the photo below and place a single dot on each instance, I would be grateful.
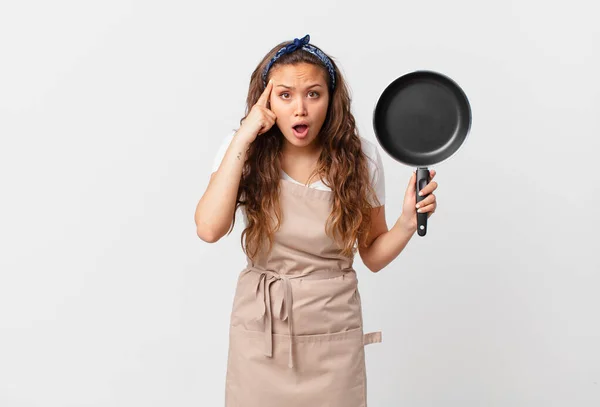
(371, 337)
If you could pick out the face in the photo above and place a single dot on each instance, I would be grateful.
(299, 95)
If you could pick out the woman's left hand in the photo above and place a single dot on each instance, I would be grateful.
(427, 205)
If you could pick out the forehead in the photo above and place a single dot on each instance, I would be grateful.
(298, 74)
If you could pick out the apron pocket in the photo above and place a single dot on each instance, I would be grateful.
(329, 370)
(326, 306)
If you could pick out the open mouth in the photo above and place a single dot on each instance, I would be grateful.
(301, 130)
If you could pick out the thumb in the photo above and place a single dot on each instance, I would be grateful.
(412, 183)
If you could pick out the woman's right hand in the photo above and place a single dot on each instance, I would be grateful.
(260, 119)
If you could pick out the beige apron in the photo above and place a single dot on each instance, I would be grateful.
(296, 333)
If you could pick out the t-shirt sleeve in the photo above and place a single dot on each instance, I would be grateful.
(376, 172)
(221, 151)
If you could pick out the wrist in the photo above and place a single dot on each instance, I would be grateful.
(406, 225)
(243, 139)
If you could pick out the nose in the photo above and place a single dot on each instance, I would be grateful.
(300, 109)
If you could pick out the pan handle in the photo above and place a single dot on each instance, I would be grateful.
(422, 180)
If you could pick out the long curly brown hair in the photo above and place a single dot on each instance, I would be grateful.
(342, 166)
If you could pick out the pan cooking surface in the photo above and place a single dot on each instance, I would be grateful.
(422, 118)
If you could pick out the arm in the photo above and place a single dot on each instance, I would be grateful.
(385, 245)
(214, 212)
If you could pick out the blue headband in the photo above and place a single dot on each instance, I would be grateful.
(302, 44)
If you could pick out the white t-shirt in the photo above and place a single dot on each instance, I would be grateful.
(369, 148)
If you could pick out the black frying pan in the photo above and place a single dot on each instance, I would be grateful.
(422, 118)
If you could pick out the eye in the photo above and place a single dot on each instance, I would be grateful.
(316, 93)
(284, 93)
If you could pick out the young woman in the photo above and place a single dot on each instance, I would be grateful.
(312, 194)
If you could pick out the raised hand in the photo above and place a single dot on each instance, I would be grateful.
(261, 118)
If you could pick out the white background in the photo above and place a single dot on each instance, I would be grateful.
(111, 113)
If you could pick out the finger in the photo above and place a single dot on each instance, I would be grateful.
(267, 124)
(432, 174)
(412, 182)
(427, 208)
(429, 188)
(264, 97)
(263, 127)
(270, 113)
(426, 201)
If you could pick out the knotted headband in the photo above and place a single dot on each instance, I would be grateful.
(304, 45)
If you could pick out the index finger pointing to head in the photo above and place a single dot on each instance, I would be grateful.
(264, 97)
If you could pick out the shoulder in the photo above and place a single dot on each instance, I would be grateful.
(222, 149)
(368, 146)
(372, 153)
(375, 164)
(226, 140)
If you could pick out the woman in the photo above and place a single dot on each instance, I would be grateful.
(311, 191)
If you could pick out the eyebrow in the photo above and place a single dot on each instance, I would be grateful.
(291, 87)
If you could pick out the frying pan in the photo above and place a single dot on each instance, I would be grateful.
(421, 119)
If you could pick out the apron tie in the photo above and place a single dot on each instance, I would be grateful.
(267, 278)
